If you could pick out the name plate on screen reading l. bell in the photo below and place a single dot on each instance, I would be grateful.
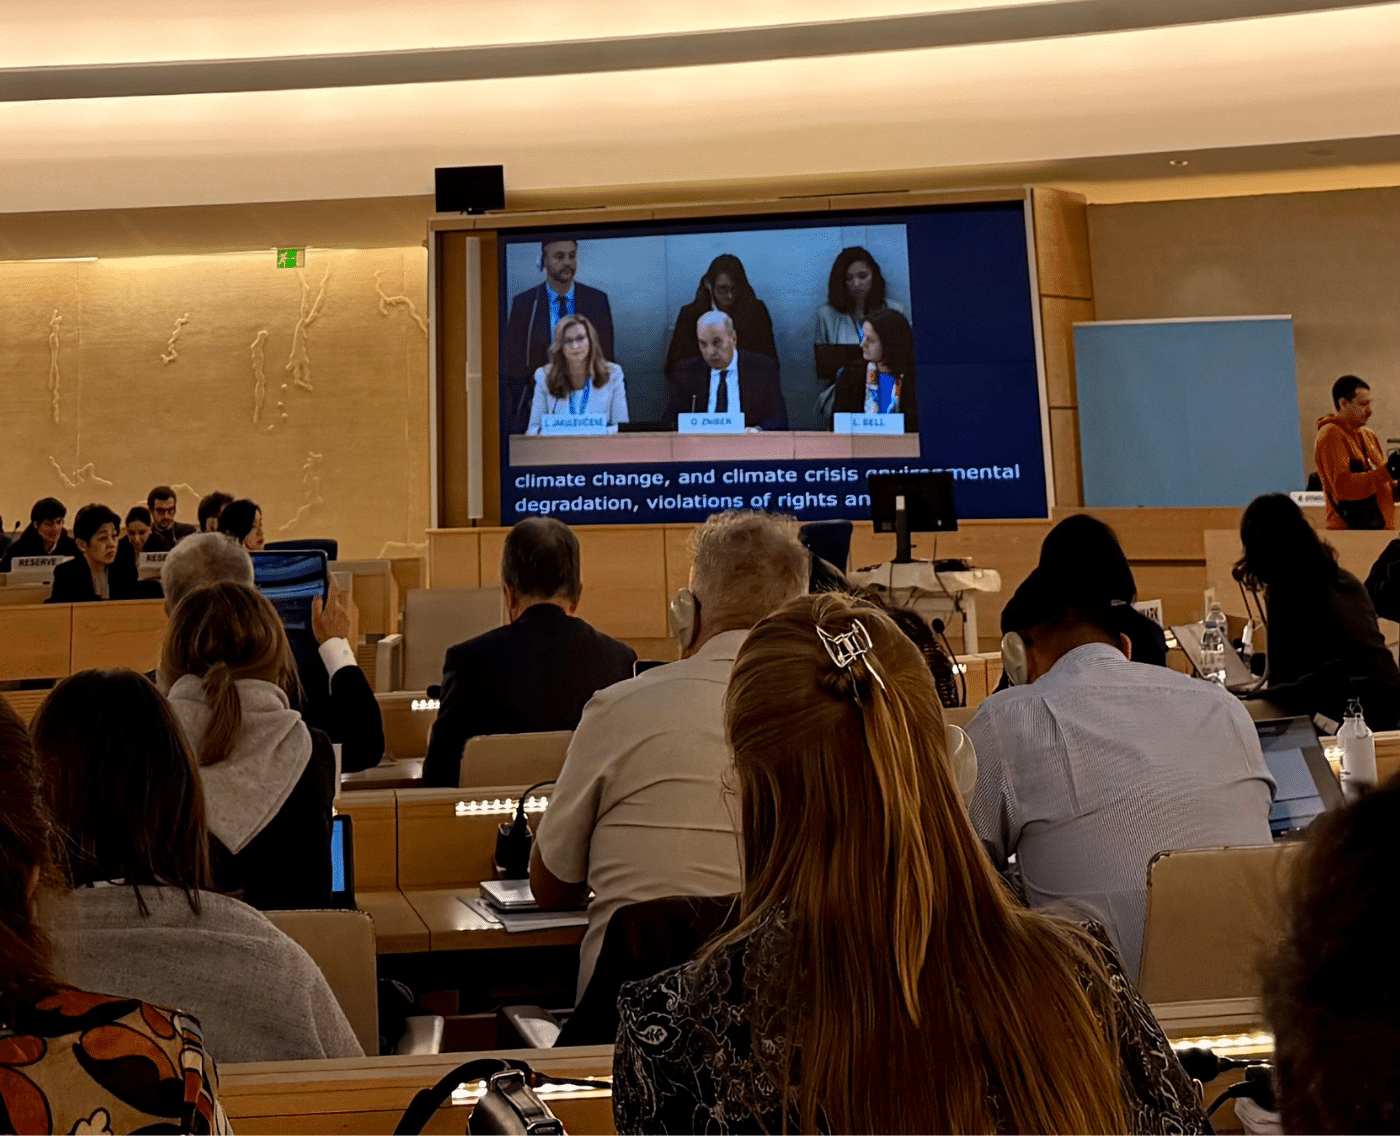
(710, 424)
(848, 423)
(562, 424)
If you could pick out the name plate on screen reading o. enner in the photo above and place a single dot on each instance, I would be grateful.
(848, 423)
(710, 424)
(556, 425)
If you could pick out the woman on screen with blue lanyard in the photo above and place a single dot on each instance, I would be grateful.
(883, 382)
(577, 379)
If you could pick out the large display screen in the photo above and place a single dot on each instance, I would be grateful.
(656, 373)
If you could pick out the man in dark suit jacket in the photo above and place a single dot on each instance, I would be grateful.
(530, 325)
(710, 382)
(538, 671)
(166, 531)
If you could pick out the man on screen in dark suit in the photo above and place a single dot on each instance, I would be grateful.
(533, 316)
(538, 671)
(726, 380)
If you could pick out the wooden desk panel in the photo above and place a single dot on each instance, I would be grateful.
(453, 926)
(398, 930)
(374, 816)
(24, 702)
(36, 642)
(369, 1094)
(438, 848)
(405, 729)
(120, 633)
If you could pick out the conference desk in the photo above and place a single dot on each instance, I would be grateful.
(668, 446)
(436, 919)
(369, 1094)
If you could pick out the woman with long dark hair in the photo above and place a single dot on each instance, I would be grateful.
(140, 917)
(73, 1061)
(1324, 644)
(884, 381)
(855, 288)
(724, 288)
(881, 978)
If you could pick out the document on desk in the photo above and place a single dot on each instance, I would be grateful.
(516, 921)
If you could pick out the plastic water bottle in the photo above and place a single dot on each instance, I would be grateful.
(1358, 748)
(1213, 645)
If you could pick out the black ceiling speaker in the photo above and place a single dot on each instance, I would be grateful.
(470, 189)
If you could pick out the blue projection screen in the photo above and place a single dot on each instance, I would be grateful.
(1187, 412)
(625, 446)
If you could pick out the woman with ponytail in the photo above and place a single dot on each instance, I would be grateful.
(881, 978)
(268, 779)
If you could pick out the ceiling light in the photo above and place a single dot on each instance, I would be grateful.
(1178, 161)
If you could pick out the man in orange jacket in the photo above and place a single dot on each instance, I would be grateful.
(1350, 462)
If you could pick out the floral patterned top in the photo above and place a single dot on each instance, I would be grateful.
(90, 1063)
(685, 1058)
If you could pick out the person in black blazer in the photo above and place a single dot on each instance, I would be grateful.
(44, 536)
(539, 670)
(166, 532)
(94, 573)
(705, 383)
(724, 288)
(530, 325)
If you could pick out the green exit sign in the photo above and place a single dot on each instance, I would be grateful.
(291, 258)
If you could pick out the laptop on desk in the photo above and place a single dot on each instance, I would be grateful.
(1238, 676)
(1306, 785)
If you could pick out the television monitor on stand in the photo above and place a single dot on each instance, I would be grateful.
(906, 503)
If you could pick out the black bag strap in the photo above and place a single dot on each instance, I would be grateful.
(427, 1101)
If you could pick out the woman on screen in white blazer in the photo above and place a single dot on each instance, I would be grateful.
(577, 379)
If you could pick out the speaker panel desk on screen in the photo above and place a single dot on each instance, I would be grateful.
(659, 446)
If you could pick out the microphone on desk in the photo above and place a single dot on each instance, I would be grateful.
(1202, 1064)
(514, 841)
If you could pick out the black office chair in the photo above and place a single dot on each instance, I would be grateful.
(314, 543)
(642, 939)
(828, 540)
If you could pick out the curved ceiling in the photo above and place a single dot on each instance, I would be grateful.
(1267, 80)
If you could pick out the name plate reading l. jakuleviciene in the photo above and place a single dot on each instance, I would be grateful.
(556, 425)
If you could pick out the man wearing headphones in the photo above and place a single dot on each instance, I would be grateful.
(639, 810)
(1091, 764)
(533, 316)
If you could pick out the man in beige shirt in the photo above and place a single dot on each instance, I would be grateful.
(640, 809)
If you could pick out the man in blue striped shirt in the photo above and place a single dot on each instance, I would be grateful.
(1094, 764)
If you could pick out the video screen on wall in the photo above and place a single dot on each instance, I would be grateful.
(656, 373)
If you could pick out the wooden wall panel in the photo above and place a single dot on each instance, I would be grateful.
(1062, 243)
(1064, 454)
(1058, 315)
(304, 389)
(124, 633)
(454, 559)
(451, 389)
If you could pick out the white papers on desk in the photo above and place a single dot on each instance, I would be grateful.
(517, 921)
